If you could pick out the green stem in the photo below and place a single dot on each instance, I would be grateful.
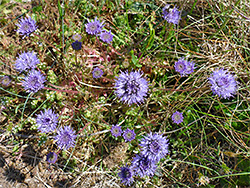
(25, 105)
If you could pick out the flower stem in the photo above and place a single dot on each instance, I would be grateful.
(104, 55)
(116, 50)
(76, 57)
(83, 128)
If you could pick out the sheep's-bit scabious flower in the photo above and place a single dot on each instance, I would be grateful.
(97, 73)
(184, 67)
(47, 121)
(26, 26)
(106, 36)
(5, 80)
(51, 157)
(34, 81)
(172, 15)
(126, 175)
(77, 37)
(65, 137)
(76, 45)
(131, 88)
(94, 27)
(129, 135)
(116, 130)
(223, 83)
(180, 66)
(26, 61)
(154, 146)
(143, 166)
(177, 117)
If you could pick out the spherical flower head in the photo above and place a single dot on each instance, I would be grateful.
(51, 157)
(177, 117)
(143, 166)
(76, 45)
(94, 27)
(190, 67)
(106, 36)
(6, 80)
(34, 81)
(26, 61)
(184, 67)
(126, 175)
(26, 26)
(77, 37)
(180, 66)
(97, 73)
(116, 130)
(171, 15)
(154, 146)
(65, 138)
(47, 121)
(223, 83)
(129, 135)
(131, 88)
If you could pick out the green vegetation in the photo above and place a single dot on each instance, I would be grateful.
(210, 148)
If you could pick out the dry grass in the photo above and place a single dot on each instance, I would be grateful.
(212, 141)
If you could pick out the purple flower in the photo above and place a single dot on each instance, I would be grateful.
(180, 66)
(116, 130)
(126, 175)
(76, 45)
(47, 121)
(184, 67)
(6, 80)
(143, 166)
(189, 67)
(77, 37)
(51, 157)
(172, 15)
(65, 137)
(106, 36)
(33, 82)
(223, 83)
(129, 135)
(97, 73)
(131, 87)
(26, 26)
(26, 61)
(94, 27)
(154, 146)
(177, 117)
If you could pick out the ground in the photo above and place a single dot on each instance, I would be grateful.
(210, 148)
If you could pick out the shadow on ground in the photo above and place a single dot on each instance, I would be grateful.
(62, 184)
(31, 157)
(12, 174)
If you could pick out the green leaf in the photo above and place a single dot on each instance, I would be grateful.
(42, 140)
(60, 9)
(15, 149)
(37, 9)
(150, 41)
(18, 106)
(134, 59)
